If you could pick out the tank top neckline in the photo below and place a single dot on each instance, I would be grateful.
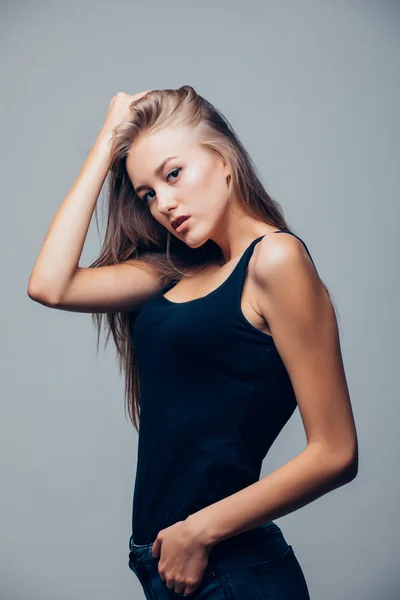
(225, 282)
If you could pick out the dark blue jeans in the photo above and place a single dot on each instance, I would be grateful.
(254, 565)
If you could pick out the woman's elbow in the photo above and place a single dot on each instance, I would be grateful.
(350, 465)
(37, 294)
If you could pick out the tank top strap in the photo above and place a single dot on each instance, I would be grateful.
(236, 279)
(247, 254)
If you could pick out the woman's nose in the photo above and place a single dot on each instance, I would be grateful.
(165, 203)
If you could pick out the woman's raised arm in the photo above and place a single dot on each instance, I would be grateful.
(57, 280)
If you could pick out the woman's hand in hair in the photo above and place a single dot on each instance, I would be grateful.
(118, 111)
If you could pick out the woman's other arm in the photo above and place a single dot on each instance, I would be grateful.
(295, 303)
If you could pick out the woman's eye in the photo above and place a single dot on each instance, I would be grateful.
(174, 171)
(169, 174)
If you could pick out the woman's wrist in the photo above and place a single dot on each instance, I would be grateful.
(103, 140)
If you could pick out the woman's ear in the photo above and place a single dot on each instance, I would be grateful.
(229, 182)
(226, 169)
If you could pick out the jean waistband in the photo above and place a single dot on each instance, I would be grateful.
(141, 554)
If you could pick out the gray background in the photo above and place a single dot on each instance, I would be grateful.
(312, 89)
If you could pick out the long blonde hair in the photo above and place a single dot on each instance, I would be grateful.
(131, 230)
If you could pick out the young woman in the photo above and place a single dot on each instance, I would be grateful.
(223, 327)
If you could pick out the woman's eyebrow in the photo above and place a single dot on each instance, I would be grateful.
(156, 172)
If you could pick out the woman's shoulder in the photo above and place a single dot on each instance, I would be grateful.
(278, 255)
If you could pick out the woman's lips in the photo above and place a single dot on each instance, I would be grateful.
(182, 226)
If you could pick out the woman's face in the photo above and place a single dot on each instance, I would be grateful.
(193, 183)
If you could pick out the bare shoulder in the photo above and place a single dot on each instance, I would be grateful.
(283, 275)
(279, 257)
(288, 292)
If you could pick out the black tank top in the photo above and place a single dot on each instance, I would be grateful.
(214, 395)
